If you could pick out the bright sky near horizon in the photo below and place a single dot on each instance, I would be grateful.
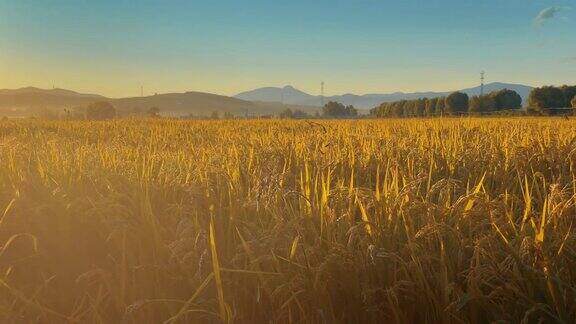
(112, 47)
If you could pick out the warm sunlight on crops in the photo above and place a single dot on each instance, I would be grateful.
(407, 221)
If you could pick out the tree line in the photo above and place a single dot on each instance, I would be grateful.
(332, 109)
(102, 110)
(453, 104)
(547, 100)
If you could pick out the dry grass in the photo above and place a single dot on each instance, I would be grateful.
(403, 221)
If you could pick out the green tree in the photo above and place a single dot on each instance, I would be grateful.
(333, 109)
(286, 113)
(338, 110)
(545, 98)
(403, 108)
(388, 108)
(430, 106)
(569, 93)
(300, 114)
(408, 108)
(154, 112)
(574, 102)
(100, 110)
(412, 108)
(440, 105)
(483, 103)
(385, 109)
(506, 99)
(397, 109)
(420, 107)
(476, 105)
(351, 111)
(457, 103)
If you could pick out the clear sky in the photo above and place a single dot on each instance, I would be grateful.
(112, 47)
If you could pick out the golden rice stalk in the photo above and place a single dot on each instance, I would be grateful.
(216, 269)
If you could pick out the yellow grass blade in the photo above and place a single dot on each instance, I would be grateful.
(294, 247)
(477, 189)
(365, 217)
(540, 232)
(216, 268)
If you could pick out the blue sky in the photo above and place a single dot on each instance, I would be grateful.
(357, 46)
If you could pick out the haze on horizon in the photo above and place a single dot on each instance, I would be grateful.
(226, 47)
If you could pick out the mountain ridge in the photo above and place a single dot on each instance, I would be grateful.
(31, 101)
(366, 101)
(53, 91)
(258, 102)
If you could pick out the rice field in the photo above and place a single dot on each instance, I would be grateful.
(454, 220)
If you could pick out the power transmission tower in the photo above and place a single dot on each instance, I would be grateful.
(482, 83)
(322, 94)
(141, 91)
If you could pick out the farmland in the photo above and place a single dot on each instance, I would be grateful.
(442, 220)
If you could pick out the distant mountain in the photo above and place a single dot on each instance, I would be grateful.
(265, 101)
(33, 101)
(523, 90)
(200, 104)
(290, 95)
(48, 92)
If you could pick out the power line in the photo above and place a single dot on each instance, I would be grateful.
(482, 83)
(322, 94)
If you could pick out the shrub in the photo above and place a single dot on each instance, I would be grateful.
(100, 111)
(544, 98)
(336, 109)
(506, 99)
(457, 103)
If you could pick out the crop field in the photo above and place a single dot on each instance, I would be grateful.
(448, 220)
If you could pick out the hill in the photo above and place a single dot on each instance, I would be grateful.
(33, 102)
(264, 101)
(200, 104)
(290, 95)
(47, 92)
(523, 90)
(179, 104)
(287, 94)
